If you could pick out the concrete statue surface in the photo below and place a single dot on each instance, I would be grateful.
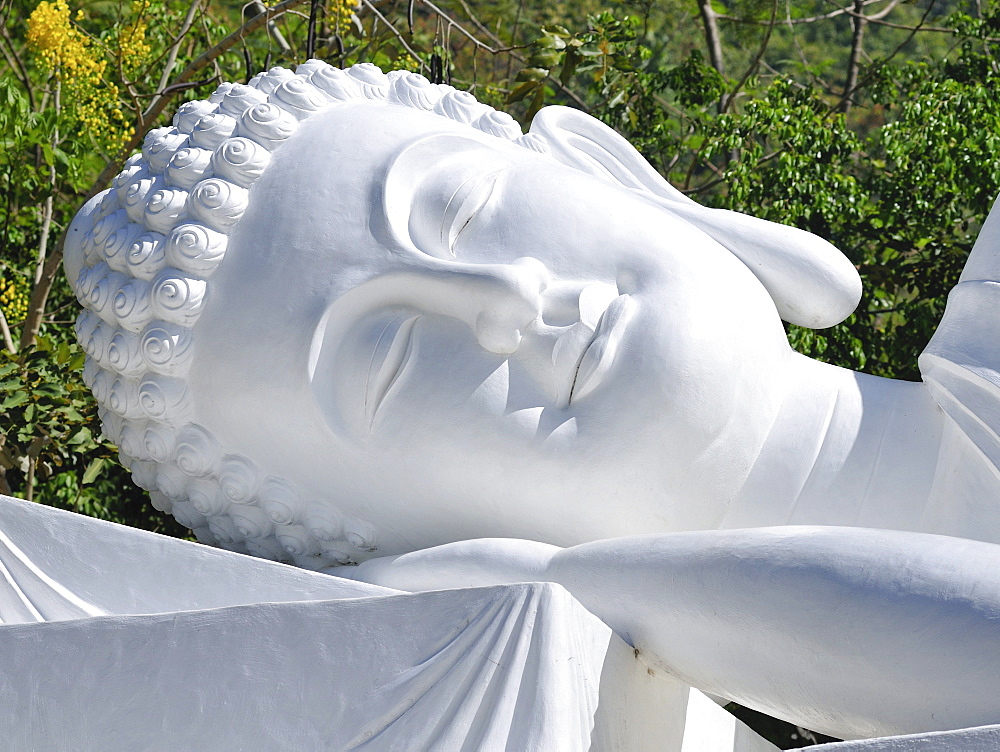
(340, 317)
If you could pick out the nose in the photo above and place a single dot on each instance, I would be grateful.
(497, 301)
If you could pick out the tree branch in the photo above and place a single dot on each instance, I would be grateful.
(40, 292)
(17, 64)
(858, 22)
(713, 40)
(8, 340)
(395, 31)
(793, 21)
(755, 62)
(168, 66)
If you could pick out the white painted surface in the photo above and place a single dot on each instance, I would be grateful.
(709, 730)
(336, 315)
(55, 565)
(848, 631)
(154, 643)
(982, 739)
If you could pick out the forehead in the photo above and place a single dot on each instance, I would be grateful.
(353, 144)
(323, 192)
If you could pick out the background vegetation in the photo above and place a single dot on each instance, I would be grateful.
(873, 123)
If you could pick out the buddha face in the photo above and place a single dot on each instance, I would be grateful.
(453, 336)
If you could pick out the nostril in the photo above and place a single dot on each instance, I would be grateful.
(497, 333)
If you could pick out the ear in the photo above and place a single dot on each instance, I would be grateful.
(811, 283)
(581, 141)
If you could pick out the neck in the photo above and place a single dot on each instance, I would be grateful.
(845, 449)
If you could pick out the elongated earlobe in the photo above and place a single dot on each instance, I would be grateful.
(811, 282)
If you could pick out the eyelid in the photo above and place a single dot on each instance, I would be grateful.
(465, 203)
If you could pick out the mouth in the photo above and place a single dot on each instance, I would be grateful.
(598, 356)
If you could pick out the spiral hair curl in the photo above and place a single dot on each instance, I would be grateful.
(146, 261)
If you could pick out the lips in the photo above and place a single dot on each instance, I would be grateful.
(599, 355)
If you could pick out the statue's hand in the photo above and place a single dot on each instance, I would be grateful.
(471, 563)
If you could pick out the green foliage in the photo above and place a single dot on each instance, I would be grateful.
(49, 417)
(899, 174)
(695, 83)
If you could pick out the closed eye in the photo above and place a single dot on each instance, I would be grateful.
(435, 188)
(467, 201)
(392, 350)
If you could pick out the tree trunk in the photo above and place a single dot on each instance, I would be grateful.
(712, 39)
(858, 22)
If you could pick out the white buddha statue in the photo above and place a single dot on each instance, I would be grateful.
(339, 317)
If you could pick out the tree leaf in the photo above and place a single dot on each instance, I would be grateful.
(93, 470)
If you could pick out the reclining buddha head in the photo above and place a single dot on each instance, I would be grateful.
(335, 314)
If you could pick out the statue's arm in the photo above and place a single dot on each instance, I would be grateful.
(849, 631)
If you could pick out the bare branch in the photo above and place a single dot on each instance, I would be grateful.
(858, 22)
(36, 308)
(168, 66)
(785, 22)
(877, 19)
(453, 23)
(890, 56)
(40, 294)
(882, 13)
(40, 291)
(479, 24)
(713, 40)
(157, 106)
(8, 340)
(415, 55)
(789, 21)
(751, 69)
(178, 39)
(272, 27)
(513, 36)
(16, 64)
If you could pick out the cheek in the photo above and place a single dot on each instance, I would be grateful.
(694, 364)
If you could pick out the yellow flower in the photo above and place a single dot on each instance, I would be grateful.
(80, 68)
(13, 300)
(340, 13)
(133, 50)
